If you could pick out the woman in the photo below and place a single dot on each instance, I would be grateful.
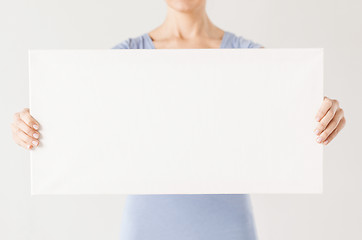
(212, 216)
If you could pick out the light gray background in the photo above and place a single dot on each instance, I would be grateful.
(69, 24)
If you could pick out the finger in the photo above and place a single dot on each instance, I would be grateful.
(335, 132)
(331, 126)
(16, 116)
(25, 137)
(19, 141)
(23, 144)
(28, 119)
(326, 105)
(326, 119)
(25, 128)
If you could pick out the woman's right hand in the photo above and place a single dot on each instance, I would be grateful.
(24, 129)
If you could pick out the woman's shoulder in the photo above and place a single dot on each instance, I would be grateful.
(237, 41)
(139, 42)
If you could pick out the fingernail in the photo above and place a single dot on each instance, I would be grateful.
(316, 131)
(35, 135)
(35, 127)
(319, 139)
(35, 143)
(325, 142)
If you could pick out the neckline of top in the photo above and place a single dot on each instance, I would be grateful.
(223, 40)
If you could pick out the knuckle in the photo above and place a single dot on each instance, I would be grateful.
(29, 131)
(326, 134)
(320, 113)
(334, 122)
(330, 115)
(343, 121)
(340, 112)
(323, 125)
(25, 118)
(327, 131)
(17, 122)
(14, 130)
(329, 102)
(27, 115)
(16, 116)
(21, 114)
(18, 132)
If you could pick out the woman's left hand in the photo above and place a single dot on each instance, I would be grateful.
(331, 120)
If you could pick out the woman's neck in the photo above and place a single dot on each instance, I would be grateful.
(186, 26)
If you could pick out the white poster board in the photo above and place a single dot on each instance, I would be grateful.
(176, 121)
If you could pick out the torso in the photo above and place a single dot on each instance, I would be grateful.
(188, 216)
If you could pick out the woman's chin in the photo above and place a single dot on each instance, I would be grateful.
(185, 6)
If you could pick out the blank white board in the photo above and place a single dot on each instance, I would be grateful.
(205, 121)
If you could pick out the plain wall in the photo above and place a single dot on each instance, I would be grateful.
(78, 24)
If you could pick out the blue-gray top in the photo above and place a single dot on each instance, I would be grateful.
(187, 216)
(229, 40)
